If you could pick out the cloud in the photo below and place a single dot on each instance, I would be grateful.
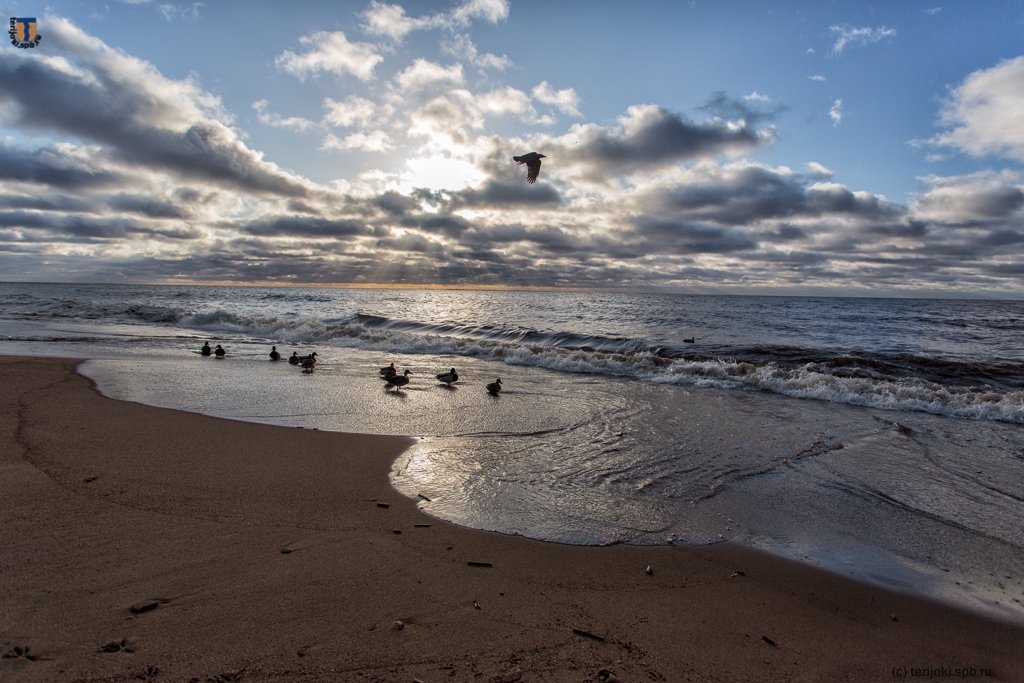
(83, 89)
(58, 166)
(817, 78)
(374, 141)
(984, 113)
(383, 19)
(982, 198)
(649, 137)
(566, 101)
(863, 36)
(353, 111)
(330, 52)
(272, 119)
(461, 47)
(750, 110)
(305, 226)
(424, 77)
(836, 112)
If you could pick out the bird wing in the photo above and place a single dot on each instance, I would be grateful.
(532, 170)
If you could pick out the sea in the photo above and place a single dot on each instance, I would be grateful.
(879, 438)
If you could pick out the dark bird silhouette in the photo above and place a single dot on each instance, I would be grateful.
(448, 377)
(274, 354)
(494, 387)
(532, 161)
(398, 381)
(219, 351)
(294, 358)
(389, 370)
(309, 362)
(206, 350)
(688, 341)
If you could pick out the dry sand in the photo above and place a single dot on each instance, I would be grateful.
(142, 543)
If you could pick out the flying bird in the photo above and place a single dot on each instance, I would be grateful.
(532, 161)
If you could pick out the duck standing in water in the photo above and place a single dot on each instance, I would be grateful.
(449, 377)
(206, 350)
(274, 355)
(219, 351)
(494, 387)
(397, 381)
(309, 362)
(294, 358)
(388, 371)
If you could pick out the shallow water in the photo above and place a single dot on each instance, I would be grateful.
(577, 450)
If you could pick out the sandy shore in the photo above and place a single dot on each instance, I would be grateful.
(148, 544)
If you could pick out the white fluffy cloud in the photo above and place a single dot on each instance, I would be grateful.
(985, 113)
(566, 100)
(330, 52)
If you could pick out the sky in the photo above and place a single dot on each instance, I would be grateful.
(749, 147)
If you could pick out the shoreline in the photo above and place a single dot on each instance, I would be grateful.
(286, 553)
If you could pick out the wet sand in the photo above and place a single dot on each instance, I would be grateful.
(143, 543)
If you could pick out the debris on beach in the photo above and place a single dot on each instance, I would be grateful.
(473, 563)
(769, 641)
(587, 634)
(117, 646)
(145, 606)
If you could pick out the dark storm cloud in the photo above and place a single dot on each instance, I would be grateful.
(395, 204)
(52, 167)
(748, 195)
(689, 238)
(146, 206)
(59, 203)
(652, 136)
(79, 228)
(305, 226)
(113, 99)
(451, 226)
(411, 242)
(500, 194)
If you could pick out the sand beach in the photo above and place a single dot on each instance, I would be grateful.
(143, 543)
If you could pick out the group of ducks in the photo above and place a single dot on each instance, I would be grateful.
(219, 352)
(393, 379)
(389, 374)
(306, 362)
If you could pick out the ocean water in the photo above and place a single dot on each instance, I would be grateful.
(881, 438)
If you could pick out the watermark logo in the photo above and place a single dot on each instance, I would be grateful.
(23, 32)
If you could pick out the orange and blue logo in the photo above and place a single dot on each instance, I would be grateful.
(23, 32)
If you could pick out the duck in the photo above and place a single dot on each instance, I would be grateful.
(294, 358)
(688, 341)
(206, 350)
(309, 362)
(398, 381)
(274, 355)
(219, 351)
(389, 370)
(449, 377)
(494, 387)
